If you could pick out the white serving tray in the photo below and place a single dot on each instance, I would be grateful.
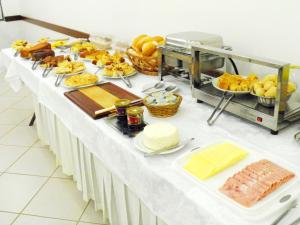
(265, 208)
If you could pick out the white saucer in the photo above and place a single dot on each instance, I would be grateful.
(138, 143)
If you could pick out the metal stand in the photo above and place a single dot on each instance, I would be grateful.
(32, 120)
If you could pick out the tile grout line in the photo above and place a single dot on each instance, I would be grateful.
(10, 130)
(11, 106)
(78, 221)
(21, 212)
(28, 148)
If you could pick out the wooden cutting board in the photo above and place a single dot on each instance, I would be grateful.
(102, 96)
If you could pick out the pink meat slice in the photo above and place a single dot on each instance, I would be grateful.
(255, 182)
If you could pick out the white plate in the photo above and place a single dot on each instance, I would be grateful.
(215, 84)
(166, 84)
(269, 206)
(69, 74)
(68, 87)
(117, 77)
(138, 143)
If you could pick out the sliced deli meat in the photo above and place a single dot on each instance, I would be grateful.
(255, 181)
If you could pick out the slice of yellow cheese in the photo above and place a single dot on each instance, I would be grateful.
(213, 160)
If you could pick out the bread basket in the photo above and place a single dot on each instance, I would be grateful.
(164, 110)
(144, 64)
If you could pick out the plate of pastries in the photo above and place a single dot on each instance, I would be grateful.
(82, 46)
(107, 59)
(53, 61)
(235, 84)
(20, 44)
(67, 67)
(114, 70)
(80, 80)
(92, 55)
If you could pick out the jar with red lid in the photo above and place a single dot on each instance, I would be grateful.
(135, 118)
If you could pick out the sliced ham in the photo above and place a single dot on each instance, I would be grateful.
(255, 181)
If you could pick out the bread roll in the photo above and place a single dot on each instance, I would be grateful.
(25, 53)
(135, 41)
(142, 41)
(158, 39)
(149, 48)
(134, 52)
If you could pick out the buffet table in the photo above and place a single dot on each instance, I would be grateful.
(126, 186)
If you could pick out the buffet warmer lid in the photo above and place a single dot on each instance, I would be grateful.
(187, 39)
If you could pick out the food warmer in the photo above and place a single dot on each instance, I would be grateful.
(176, 55)
(285, 111)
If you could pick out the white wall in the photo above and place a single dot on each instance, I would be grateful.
(268, 28)
(11, 7)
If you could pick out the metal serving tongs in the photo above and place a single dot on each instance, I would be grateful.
(59, 79)
(16, 53)
(125, 80)
(213, 119)
(47, 70)
(35, 64)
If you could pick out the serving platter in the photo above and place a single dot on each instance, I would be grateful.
(267, 207)
(98, 101)
(215, 85)
(117, 77)
(81, 86)
(138, 143)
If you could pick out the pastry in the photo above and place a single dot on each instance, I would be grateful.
(26, 52)
(18, 45)
(149, 48)
(67, 67)
(52, 61)
(234, 82)
(160, 136)
(41, 54)
(81, 46)
(115, 69)
(81, 79)
(108, 59)
(59, 43)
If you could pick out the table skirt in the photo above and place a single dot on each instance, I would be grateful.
(119, 205)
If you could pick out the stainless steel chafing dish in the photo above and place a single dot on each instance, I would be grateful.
(285, 111)
(176, 54)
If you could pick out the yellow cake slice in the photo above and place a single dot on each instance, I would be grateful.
(213, 160)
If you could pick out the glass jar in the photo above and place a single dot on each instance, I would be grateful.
(121, 106)
(135, 118)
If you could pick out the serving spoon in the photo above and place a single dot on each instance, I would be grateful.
(158, 85)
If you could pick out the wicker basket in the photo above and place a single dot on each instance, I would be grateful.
(144, 64)
(164, 110)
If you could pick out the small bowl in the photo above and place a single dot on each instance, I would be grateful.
(267, 101)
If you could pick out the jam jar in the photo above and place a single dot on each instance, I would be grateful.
(121, 106)
(135, 118)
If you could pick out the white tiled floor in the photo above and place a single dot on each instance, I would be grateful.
(33, 189)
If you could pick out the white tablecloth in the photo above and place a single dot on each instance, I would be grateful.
(165, 192)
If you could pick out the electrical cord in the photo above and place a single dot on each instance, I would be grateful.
(234, 66)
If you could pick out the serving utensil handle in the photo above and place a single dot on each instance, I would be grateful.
(285, 213)
(211, 120)
(47, 71)
(59, 79)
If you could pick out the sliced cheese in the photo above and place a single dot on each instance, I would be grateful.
(100, 96)
(213, 160)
